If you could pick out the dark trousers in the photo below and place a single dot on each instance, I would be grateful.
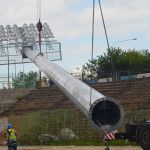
(12, 145)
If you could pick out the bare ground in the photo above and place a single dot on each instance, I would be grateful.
(75, 148)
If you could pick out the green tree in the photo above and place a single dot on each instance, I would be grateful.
(25, 80)
(132, 61)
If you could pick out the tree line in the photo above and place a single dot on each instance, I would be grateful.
(124, 61)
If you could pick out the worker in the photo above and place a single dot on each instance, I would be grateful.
(11, 137)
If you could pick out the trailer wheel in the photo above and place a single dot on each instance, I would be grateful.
(144, 138)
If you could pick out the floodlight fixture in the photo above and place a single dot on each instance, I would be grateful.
(16, 32)
(2, 33)
(33, 31)
(47, 31)
(10, 33)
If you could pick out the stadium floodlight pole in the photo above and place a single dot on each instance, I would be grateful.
(123, 41)
(103, 112)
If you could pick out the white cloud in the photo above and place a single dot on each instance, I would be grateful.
(127, 16)
(121, 17)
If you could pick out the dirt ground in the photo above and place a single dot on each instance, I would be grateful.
(75, 148)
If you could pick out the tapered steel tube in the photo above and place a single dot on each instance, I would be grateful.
(103, 112)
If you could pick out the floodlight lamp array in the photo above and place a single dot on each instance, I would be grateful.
(25, 34)
(13, 38)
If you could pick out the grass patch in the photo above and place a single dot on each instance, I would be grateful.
(78, 143)
(121, 143)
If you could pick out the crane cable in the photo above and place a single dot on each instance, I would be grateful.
(101, 12)
(39, 24)
(108, 45)
(38, 9)
(37, 6)
(100, 7)
(93, 25)
(39, 28)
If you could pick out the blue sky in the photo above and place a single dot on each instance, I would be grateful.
(70, 21)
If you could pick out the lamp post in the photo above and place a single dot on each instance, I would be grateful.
(133, 39)
(124, 41)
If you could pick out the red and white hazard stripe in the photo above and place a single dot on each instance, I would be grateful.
(110, 136)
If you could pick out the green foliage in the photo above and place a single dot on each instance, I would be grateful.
(24, 80)
(20, 97)
(131, 61)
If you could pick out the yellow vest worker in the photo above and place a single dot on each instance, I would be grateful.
(11, 137)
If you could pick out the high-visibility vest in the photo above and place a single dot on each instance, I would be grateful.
(11, 135)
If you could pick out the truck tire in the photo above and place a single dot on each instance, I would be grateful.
(144, 138)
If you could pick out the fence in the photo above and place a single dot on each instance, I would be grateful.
(31, 125)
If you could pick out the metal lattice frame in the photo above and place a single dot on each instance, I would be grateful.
(12, 39)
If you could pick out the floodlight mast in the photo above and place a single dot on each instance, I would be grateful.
(104, 113)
